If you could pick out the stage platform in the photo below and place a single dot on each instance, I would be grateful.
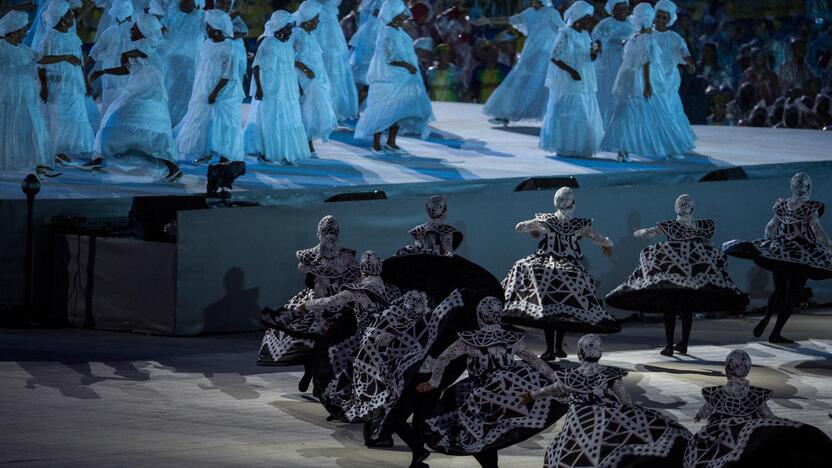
(102, 399)
(463, 148)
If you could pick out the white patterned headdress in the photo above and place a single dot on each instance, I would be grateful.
(589, 347)
(737, 364)
(370, 263)
(684, 205)
(801, 185)
(489, 311)
(328, 226)
(565, 199)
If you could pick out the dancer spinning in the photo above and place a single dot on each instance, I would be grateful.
(65, 87)
(523, 94)
(294, 330)
(612, 32)
(603, 427)
(356, 307)
(683, 275)
(551, 289)
(434, 237)
(319, 117)
(397, 100)
(276, 93)
(572, 126)
(481, 414)
(25, 141)
(742, 431)
(795, 248)
(137, 124)
(640, 122)
(674, 52)
(185, 23)
(330, 37)
(212, 124)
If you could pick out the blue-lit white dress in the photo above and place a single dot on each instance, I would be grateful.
(186, 31)
(107, 50)
(396, 96)
(319, 118)
(240, 27)
(213, 128)
(24, 140)
(330, 37)
(522, 95)
(363, 42)
(66, 108)
(674, 50)
(275, 126)
(572, 125)
(612, 34)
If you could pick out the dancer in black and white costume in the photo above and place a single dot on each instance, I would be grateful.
(682, 275)
(795, 248)
(482, 414)
(356, 307)
(551, 289)
(385, 368)
(292, 329)
(434, 236)
(741, 431)
(603, 427)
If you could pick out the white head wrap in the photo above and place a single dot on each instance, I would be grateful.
(668, 7)
(577, 11)
(423, 43)
(220, 20)
(546, 3)
(75, 4)
(611, 5)
(642, 16)
(391, 9)
(121, 9)
(13, 21)
(278, 21)
(307, 10)
(151, 28)
(156, 8)
(54, 12)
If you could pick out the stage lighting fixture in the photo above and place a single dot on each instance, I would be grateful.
(221, 176)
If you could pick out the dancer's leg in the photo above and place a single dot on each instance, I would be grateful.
(669, 328)
(487, 458)
(559, 352)
(687, 324)
(549, 335)
(792, 301)
(775, 302)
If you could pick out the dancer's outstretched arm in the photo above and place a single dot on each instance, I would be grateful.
(457, 349)
(539, 364)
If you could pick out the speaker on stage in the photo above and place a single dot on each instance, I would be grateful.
(719, 175)
(358, 196)
(154, 218)
(546, 183)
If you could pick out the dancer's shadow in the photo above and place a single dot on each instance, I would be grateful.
(519, 130)
(237, 310)
(321, 172)
(457, 142)
(639, 393)
(233, 385)
(433, 166)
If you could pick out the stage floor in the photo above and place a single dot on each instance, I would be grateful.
(87, 398)
(463, 146)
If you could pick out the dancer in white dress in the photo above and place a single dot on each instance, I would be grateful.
(136, 127)
(110, 43)
(319, 117)
(523, 94)
(397, 101)
(572, 126)
(212, 124)
(674, 52)
(25, 140)
(275, 130)
(363, 42)
(185, 23)
(65, 106)
(330, 37)
(612, 32)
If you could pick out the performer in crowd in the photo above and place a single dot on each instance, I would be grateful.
(434, 236)
(363, 42)
(481, 414)
(276, 93)
(240, 31)
(211, 127)
(25, 140)
(573, 126)
(397, 101)
(640, 123)
(683, 275)
(389, 365)
(185, 24)
(794, 248)
(319, 117)
(741, 430)
(136, 126)
(551, 289)
(330, 37)
(603, 427)
(356, 307)
(523, 94)
(292, 329)
(674, 52)
(109, 44)
(612, 32)
(65, 88)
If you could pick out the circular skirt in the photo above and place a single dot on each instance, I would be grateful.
(787, 255)
(438, 276)
(670, 298)
(291, 338)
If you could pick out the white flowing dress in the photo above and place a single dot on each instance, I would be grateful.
(330, 37)
(186, 32)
